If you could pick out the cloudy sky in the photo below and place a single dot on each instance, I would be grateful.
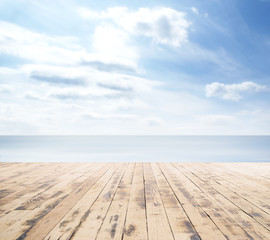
(135, 67)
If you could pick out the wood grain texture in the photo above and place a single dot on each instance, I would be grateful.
(140, 201)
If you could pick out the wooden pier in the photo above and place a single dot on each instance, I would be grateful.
(140, 201)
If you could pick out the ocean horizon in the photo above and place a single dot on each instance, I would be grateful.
(134, 148)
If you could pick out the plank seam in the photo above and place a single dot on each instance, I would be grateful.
(85, 214)
(111, 202)
(216, 181)
(200, 205)
(162, 201)
(61, 201)
(247, 234)
(225, 198)
(124, 225)
(145, 201)
(180, 203)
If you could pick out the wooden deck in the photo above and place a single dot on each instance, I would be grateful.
(140, 201)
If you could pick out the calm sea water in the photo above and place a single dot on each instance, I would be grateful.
(135, 148)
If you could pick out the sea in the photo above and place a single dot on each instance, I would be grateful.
(135, 148)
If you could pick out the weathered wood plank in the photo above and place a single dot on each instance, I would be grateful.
(252, 187)
(228, 225)
(157, 222)
(203, 224)
(135, 226)
(251, 227)
(90, 226)
(144, 201)
(33, 224)
(34, 183)
(17, 172)
(181, 226)
(45, 225)
(66, 228)
(32, 200)
(15, 210)
(113, 224)
(214, 175)
(252, 210)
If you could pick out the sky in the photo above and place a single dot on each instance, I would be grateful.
(116, 67)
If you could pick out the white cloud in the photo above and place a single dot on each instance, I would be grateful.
(88, 13)
(33, 96)
(112, 63)
(40, 48)
(5, 88)
(194, 10)
(163, 25)
(126, 105)
(84, 76)
(232, 92)
(109, 117)
(112, 42)
(95, 89)
(152, 121)
(114, 55)
(80, 93)
(218, 120)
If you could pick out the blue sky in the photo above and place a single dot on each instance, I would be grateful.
(137, 67)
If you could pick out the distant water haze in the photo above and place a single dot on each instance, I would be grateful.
(135, 148)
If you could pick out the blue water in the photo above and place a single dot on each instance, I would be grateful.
(135, 148)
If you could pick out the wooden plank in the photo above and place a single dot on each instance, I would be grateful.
(14, 180)
(90, 226)
(58, 192)
(181, 226)
(17, 172)
(225, 223)
(252, 210)
(18, 229)
(66, 228)
(32, 200)
(229, 227)
(242, 182)
(45, 225)
(135, 226)
(34, 183)
(143, 201)
(12, 212)
(43, 219)
(204, 225)
(250, 176)
(243, 192)
(113, 224)
(157, 221)
(247, 223)
(254, 170)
